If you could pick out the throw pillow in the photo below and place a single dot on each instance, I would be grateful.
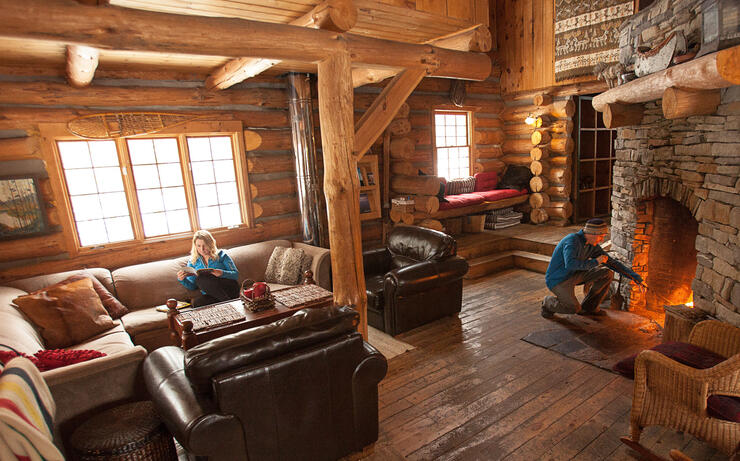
(485, 181)
(515, 177)
(114, 307)
(66, 314)
(284, 266)
(685, 353)
(461, 186)
(48, 359)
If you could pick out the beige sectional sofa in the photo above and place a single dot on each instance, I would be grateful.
(81, 388)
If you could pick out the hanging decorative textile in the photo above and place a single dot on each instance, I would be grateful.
(586, 33)
(121, 124)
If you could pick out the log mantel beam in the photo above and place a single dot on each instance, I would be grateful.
(128, 29)
(710, 72)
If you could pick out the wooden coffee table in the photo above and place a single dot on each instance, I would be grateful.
(188, 326)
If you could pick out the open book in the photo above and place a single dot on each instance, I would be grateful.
(192, 271)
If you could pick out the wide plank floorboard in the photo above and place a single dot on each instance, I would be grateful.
(473, 390)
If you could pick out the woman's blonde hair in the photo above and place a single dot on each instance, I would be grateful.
(210, 243)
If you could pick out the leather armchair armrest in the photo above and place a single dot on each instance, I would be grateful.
(424, 276)
(368, 373)
(376, 261)
(192, 418)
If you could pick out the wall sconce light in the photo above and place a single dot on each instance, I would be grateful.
(530, 120)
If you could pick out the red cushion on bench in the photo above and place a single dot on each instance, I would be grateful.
(485, 181)
(461, 200)
(499, 194)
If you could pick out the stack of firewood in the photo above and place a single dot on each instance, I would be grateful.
(549, 148)
(405, 178)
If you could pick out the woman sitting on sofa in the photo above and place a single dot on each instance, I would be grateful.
(215, 273)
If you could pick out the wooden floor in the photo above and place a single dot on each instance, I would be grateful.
(471, 389)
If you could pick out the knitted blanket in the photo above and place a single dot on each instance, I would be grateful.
(26, 414)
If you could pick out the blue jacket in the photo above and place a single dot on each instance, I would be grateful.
(571, 254)
(224, 262)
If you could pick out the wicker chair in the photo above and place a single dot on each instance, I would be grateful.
(674, 395)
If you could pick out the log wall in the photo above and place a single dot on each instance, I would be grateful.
(260, 104)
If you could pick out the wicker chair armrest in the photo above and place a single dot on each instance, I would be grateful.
(672, 381)
(718, 337)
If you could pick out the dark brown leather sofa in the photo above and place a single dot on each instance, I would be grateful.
(415, 279)
(305, 387)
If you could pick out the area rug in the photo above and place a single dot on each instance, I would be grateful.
(601, 341)
(387, 345)
(586, 33)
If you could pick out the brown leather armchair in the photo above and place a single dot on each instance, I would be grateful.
(305, 387)
(415, 279)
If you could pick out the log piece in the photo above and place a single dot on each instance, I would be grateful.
(617, 115)
(517, 146)
(539, 153)
(558, 191)
(561, 160)
(400, 127)
(557, 109)
(403, 111)
(415, 185)
(559, 175)
(426, 203)
(542, 99)
(540, 137)
(560, 126)
(402, 148)
(404, 169)
(482, 166)
(81, 64)
(679, 103)
(489, 136)
(539, 167)
(559, 209)
(489, 152)
(516, 160)
(538, 183)
(538, 215)
(562, 145)
(539, 200)
(432, 224)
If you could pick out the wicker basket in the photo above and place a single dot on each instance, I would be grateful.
(262, 303)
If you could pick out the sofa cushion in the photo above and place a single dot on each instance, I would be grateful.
(66, 314)
(17, 332)
(41, 281)
(251, 260)
(500, 194)
(151, 284)
(286, 266)
(114, 307)
(457, 201)
(685, 353)
(460, 186)
(108, 342)
(724, 407)
(486, 180)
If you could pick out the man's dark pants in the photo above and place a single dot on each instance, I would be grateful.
(565, 301)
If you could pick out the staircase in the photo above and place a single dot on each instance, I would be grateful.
(500, 253)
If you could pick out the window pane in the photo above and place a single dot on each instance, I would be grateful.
(86, 207)
(209, 217)
(230, 215)
(174, 199)
(170, 174)
(452, 145)
(141, 151)
(119, 229)
(103, 153)
(227, 193)
(224, 170)
(202, 172)
(114, 205)
(150, 200)
(166, 150)
(109, 179)
(200, 149)
(178, 221)
(92, 232)
(206, 195)
(81, 182)
(74, 154)
(221, 147)
(154, 224)
(146, 177)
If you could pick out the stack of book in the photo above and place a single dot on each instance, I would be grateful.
(500, 219)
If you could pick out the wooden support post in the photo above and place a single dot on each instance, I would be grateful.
(678, 103)
(81, 64)
(616, 115)
(341, 184)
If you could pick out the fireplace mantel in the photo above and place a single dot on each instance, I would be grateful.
(713, 71)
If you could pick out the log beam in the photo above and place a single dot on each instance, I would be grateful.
(341, 184)
(81, 64)
(336, 15)
(616, 115)
(709, 72)
(679, 102)
(384, 108)
(136, 30)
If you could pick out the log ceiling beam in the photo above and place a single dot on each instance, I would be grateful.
(335, 15)
(476, 39)
(341, 184)
(384, 108)
(81, 64)
(127, 29)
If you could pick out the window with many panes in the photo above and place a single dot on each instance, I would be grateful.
(452, 143)
(153, 186)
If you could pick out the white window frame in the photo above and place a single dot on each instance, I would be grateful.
(470, 145)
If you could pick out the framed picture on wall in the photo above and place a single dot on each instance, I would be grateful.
(21, 208)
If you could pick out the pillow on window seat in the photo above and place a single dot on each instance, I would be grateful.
(460, 186)
(485, 181)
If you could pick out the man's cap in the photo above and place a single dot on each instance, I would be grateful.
(595, 226)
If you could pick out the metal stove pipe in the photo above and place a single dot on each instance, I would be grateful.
(310, 196)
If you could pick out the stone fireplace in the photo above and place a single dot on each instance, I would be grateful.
(676, 196)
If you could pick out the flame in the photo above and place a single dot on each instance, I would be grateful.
(690, 304)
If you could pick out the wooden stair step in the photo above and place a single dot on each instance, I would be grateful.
(483, 248)
(541, 248)
(489, 264)
(531, 261)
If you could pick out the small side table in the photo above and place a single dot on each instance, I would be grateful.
(679, 320)
(124, 433)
